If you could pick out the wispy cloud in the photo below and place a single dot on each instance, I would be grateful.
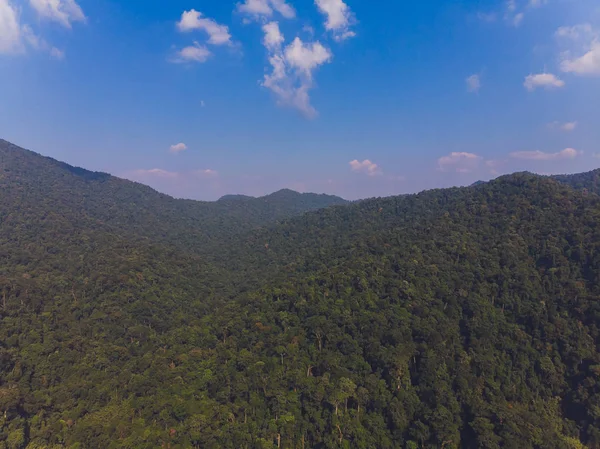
(10, 29)
(543, 80)
(568, 153)
(473, 83)
(566, 126)
(339, 18)
(460, 162)
(64, 12)
(17, 38)
(367, 167)
(193, 53)
(178, 148)
(154, 173)
(266, 8)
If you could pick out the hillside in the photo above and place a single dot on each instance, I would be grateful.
(135, 210)
(589, 181)
(456, 318)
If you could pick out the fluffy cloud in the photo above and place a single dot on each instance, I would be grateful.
(568, 153)
(292, 67)
(178, 148)
(306, 57)
(266, 8)
(192, 20)
(587, 64)
(273, 39)
(474, 83)
(339, 18)
(193, 53)
(367, 167)
(10, 29)
(545, 80)
(586, 43)
(459, 162)
(567, 127)
(64, 12)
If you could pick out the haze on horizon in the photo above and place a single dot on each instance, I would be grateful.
(202, 99)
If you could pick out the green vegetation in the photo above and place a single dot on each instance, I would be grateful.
(458, 318)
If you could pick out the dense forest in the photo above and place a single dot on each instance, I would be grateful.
(455, 318)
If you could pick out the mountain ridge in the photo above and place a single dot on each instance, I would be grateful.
(457, 318)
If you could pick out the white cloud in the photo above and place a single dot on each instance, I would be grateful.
(576, 32)
(266, 8)
(597, 155)
(273, 38)
(154, 173)
(585, 43)
(568, 153)
(57, 54)
(459, 162)
(292, 67)
(567, 127)
(208, 173)
(193, 20)
(38, 43)
(474, 83)
(339, 18)
(306, 57)
(10, 29)
(545, 80)
(193, 53)
(367, 167)
(587, 64)
(518, 19)
(178, 148)
(64, 12)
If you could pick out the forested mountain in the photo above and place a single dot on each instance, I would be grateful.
(456, 318)
(589, 181)
(37, 182)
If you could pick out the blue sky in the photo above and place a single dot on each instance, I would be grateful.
(355, 98)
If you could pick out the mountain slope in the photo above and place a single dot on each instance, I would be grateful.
(589, 181)
(457, 318)
(135, 209)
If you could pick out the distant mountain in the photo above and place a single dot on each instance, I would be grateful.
(226, 198)
(589, 181)
(478, 183)
(285, 203)
(131, 208)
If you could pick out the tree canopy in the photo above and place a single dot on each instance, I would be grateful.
(455, 318)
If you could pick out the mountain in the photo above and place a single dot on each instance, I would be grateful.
(454, 318)
(136, 210)
(589, 181)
